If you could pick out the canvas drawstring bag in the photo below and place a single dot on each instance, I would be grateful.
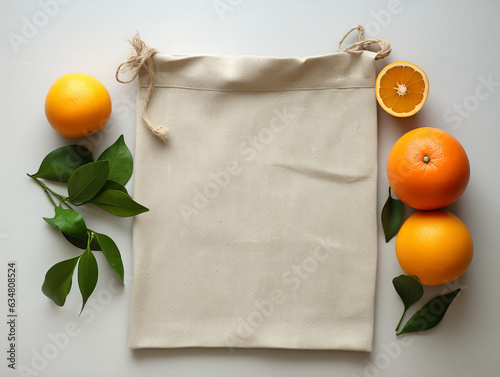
(262, 230)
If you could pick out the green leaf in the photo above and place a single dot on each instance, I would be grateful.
(118, 203)
(59, 164)
(87, 181)
(73, 228)
(87, 275)
(69, 222)
(82, 244)
(409, 289)
(120, 161)
(430, 314)
(111, 253)
(392, 216)
(50, 221)
(58, 280)
(111, 185)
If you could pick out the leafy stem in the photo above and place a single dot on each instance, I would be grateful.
(101, 183)
(48, 191)
(410, 290)
(430, 314)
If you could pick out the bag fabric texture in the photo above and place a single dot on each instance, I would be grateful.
(262, 229)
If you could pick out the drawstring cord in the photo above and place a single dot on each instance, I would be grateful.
(142, 59)
(364, 44)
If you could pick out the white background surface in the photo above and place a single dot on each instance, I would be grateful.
(455, 42)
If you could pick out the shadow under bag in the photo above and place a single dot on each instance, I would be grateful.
(262, 230)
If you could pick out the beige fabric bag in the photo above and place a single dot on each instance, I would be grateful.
(263, 227)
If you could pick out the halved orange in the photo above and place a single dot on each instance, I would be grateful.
(402, 89)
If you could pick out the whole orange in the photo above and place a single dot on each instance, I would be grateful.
(77, 105)
(434, 246)
(428, 168)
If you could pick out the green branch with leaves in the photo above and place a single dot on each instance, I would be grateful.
(428, 316)
(99, 182)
